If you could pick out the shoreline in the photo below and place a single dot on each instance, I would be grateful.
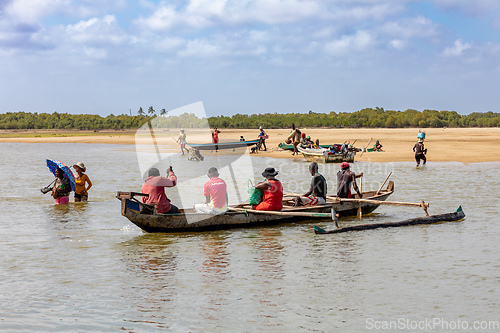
(466, 145)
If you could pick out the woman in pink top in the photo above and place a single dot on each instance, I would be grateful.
(154, 186)
(273, 191)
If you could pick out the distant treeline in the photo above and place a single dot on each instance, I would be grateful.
(368, 117)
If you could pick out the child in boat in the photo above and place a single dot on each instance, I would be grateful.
(317, 192)
(215, 192)
(272, 198)
(154, 186)
(81, 192)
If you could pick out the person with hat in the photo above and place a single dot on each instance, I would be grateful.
(81, 178)
(420, 152)
(377, 146)
(154, 187)
(346, 178)
(262, 138)
(215, 192)
(317, 192)
(182, 141)
(272, 198)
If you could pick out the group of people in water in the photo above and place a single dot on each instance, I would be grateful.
(62, 186)
(216, 194)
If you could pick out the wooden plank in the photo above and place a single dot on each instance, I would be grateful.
(281, 213)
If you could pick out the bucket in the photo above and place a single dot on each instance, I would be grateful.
(421, 135)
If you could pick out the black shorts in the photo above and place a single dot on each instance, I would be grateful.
(419, 157)
(79, 196)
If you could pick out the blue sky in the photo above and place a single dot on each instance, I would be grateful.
(249, 56)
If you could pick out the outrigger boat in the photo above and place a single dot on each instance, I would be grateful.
(326, 156)
(237, 216)
(196, 147)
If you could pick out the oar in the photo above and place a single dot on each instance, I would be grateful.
(360, 212)
(380, 188)
(366, 146)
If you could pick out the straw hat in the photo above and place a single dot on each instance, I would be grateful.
(80, 165)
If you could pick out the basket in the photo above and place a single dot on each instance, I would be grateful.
(254, 194)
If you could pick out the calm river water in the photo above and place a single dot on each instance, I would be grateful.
(84, 267)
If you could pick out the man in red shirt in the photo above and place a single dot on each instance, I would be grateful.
(154, 186)
(215, 192)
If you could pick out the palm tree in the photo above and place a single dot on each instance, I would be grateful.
(163, 112)
(151, 111)
(140, 112)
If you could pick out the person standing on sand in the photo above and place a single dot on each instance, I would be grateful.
(81, 192)
(262, 137)
(294, 137)
(346, 178)
(420, 152)
(182, 141)
(215, 138)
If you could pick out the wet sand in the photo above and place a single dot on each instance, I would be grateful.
(467, 145)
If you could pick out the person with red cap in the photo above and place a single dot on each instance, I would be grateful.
(346, 178)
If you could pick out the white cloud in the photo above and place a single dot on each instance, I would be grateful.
(96, 31)
(457, 49)
(420, 27)
(359, 42)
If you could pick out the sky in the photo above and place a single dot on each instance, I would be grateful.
(249, 56)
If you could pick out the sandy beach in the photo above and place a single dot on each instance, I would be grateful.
(466, 145)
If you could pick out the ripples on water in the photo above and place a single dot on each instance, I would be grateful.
(83, 267)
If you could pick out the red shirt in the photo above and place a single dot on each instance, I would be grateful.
(216, 188)
(154, 186)
(272, 199)
(215, 137)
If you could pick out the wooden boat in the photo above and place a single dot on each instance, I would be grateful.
(286, 146)
(458, 214)
(325, 156)
(222, 145)
(242, 215)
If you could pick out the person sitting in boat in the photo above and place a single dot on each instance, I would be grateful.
(272, 198)
(62, 188)
(215, 192)
(316, 144)
(346, 178)
(309, 142)
(81, 191)
(317, 192)
(420, 152)
(294, 138)
(377, 146)
(154, 186)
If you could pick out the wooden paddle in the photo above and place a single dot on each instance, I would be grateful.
(380, 188)
(360, 212)
(366, 146)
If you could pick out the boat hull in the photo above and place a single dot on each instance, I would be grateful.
(222, 145)
(318, 155)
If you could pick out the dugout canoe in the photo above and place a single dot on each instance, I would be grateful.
(222, 145)
(325, 156)
(285, 146)
(240, 215)
(457, 215)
